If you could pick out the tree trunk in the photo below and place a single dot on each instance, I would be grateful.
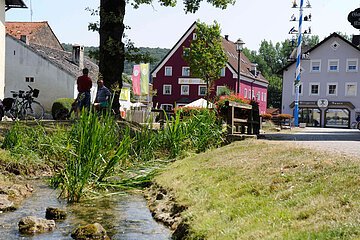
(112, 51)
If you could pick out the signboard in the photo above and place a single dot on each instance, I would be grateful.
(354, 18)
(323, 103)
(191, 81)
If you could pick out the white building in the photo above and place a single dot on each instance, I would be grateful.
(329, 86)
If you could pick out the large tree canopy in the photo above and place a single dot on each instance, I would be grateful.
(206, 56)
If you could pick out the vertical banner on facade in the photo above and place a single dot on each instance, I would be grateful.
(135, 77)
(144, 78)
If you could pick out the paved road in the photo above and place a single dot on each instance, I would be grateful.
(345, 141)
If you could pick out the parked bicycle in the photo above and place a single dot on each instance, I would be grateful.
(356, 124)
(23, 106)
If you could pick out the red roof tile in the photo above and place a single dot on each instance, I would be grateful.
(16, 29)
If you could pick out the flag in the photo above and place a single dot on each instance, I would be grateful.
(125, 94)
(144, 78)
(135, 77)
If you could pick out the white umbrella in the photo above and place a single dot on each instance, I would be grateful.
(202, 103)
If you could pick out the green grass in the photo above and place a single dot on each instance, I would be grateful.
(260, 190)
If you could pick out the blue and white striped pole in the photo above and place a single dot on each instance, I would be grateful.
(298, 67)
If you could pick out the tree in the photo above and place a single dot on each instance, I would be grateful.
(206, 56)
(112, 51)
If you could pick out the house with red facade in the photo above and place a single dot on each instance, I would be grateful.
(175, 86)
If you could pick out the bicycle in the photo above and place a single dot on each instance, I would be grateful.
(355, 125)
(23, 106)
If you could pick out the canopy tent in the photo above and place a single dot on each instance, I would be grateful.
(202, 103)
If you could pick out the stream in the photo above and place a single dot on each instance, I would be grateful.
(124, 216)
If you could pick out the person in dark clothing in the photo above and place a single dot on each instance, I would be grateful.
(84, 85)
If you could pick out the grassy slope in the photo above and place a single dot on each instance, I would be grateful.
(260, 190)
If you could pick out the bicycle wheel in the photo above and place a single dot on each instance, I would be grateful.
(353, 125)
(31, 111)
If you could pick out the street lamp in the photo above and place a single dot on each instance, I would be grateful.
(239, 47)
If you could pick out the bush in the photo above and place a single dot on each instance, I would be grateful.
(61, 108)
(266, 116)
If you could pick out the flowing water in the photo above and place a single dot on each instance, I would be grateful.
(123, 216)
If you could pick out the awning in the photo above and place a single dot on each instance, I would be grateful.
(14, 4)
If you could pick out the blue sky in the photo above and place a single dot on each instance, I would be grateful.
(157, 26)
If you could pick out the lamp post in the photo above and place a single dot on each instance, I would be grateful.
(239, 47)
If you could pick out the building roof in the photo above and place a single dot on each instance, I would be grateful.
(14, 4)
(309, 50)
(62, 59)
(230, 50)
(31, 30)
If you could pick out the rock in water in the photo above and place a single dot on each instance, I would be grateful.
(90, 231)
(31, 225)
(55, 213)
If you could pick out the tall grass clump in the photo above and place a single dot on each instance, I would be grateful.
(95, 149)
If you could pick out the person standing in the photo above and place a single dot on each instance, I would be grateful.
(84, 85)
(102, 96)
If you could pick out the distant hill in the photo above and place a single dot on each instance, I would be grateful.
(157, 53)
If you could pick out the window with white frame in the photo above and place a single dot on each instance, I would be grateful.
(202, 90)
(222, 72)
(352, 65)
(331, 89)
(185, 90)
(168, 71)
(351, 89)
(166, 107)
(300, 89)
(29, 79)
(194, 36)
(264, 97)
(249, 93)
(333, 65)
(315, 66)
(252, 94)
(167, 89)
(314, 89)
(245, 93)
(186, 71)
(258, 96)
(220, 90)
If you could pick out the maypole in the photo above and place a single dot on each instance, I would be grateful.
(298, 67)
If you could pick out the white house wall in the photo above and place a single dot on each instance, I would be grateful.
(324, 53)
(52, 81)
(2, 48)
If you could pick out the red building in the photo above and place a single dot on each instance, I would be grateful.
(175, 86)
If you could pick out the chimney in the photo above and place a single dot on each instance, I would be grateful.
(356, 40)
(227, 37)
(24, 39)
(253, 69)
(78, 56)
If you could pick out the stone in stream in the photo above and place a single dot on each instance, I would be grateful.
(6, 204)
(55, 213)
(31, 225)
(90, 231)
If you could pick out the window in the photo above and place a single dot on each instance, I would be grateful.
(333, 65)
(184, 89)
(186, 71)
(29, 79)
(352, 65)
(202, 90)
(186, 52)
(314, 89)
(167, 89)
(249, 93)
(168, 71)
(222, 73)
(194, 36)
(245, 93)
(315, 66)
(265, 97)
(332, 89)
(258, 96)
(166, 107)
(350, 89)
(220, 90)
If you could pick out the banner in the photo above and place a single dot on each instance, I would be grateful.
(135, 77)
(125, 94)
(144, 78)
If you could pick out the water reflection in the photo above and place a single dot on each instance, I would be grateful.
(123, 216)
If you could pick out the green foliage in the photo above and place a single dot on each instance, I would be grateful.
(61, 108)
(230, 98)
(206, 56)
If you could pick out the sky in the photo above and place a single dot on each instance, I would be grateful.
(157, 26)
